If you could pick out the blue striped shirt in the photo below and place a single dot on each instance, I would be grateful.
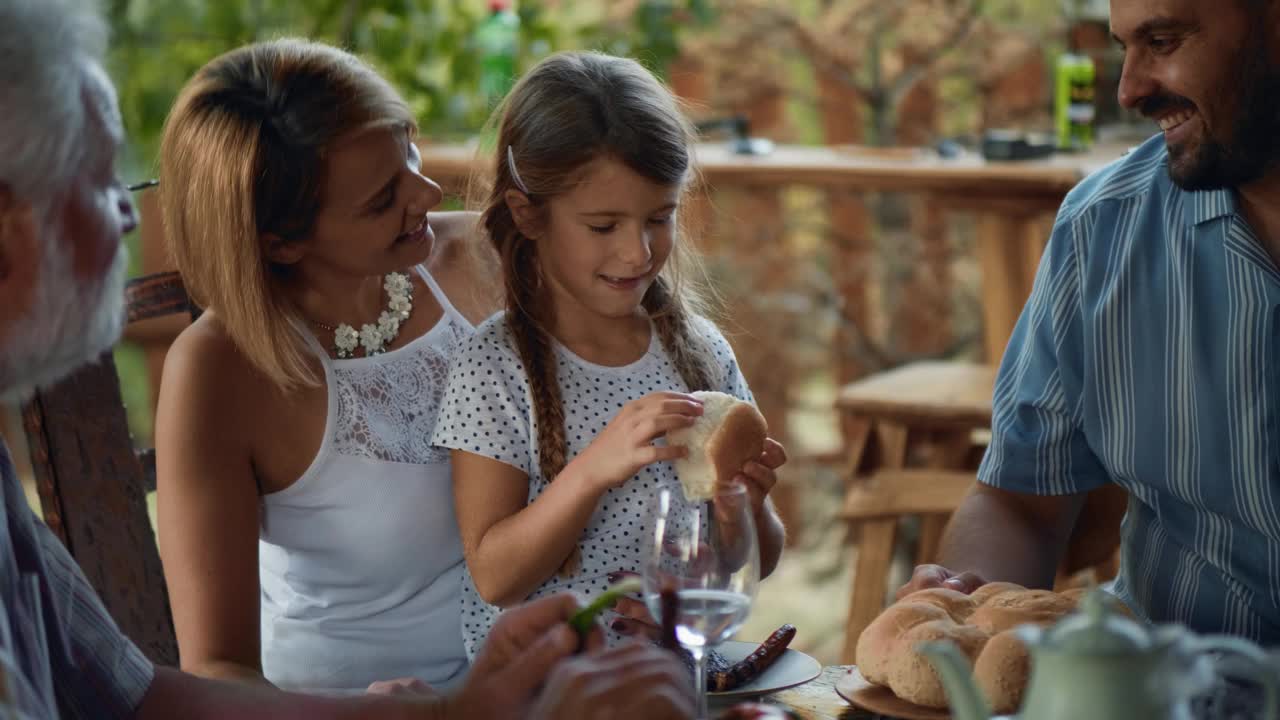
(61, 654)
(1149, 356)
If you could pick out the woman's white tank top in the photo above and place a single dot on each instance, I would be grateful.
(360, 560)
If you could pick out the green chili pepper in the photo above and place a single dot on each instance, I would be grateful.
(583, 619)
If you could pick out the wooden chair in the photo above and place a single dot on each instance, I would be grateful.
(93, 485)
(909, 436)
(913, 437)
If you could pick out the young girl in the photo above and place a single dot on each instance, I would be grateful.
(553, 407)
(305, 523)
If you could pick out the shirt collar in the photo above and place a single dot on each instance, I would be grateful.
(1199, 206)
(1205, 205)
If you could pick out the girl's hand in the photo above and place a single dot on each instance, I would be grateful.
(759, 475)
(626, 444)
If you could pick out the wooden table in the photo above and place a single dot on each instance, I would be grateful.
(1014, 202)
(817, 700)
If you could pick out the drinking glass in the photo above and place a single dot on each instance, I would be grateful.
(707, 555)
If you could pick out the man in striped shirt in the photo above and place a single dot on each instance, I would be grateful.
(62, 215)
(1149, 352)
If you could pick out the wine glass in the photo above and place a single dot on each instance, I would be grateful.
(706, 556)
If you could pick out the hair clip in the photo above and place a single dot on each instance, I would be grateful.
(515, 175)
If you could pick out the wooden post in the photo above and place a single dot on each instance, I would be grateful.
(1009, 247)
(875, 548)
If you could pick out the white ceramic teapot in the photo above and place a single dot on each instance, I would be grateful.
(1100, 665)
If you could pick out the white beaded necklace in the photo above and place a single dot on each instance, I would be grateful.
(375, 338)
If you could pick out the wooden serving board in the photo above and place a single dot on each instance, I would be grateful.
(880, 700)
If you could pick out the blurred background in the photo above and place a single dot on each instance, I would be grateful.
(822, 284)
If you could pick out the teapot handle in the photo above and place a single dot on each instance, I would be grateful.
(1256, 665)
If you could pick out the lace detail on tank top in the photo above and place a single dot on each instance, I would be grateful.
(387, 410)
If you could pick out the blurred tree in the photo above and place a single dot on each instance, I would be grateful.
(871, 55)
(881, 73)
(425, 47)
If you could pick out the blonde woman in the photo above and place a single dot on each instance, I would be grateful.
(306, 525)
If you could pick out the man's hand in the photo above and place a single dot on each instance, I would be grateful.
(404, 687)
(932, 576)
(634, 680)
(525, 645)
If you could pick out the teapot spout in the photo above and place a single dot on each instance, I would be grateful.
(956, 674)
(1029, 634)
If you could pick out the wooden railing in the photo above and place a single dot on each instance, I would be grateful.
(816, 289)
(770, 224)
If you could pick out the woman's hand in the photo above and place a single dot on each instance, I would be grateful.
(626, 444)
(633, 618)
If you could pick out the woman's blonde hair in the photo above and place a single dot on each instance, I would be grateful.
(243, 156)
(567, 111)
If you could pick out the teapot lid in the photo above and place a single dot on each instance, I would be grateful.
(1098, 629)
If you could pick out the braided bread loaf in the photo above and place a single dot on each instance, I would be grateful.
(980, 624)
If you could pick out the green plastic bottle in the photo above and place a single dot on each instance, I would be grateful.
(1074, 108)
(498, 40)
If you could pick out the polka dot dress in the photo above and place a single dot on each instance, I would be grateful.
(488, 411)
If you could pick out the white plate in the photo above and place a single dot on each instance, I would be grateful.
(790, 669)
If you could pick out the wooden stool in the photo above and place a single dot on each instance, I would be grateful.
(909, 436)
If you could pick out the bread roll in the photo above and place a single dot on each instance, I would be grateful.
(1011, 609)
(991, 589)
(954, 603)
(1002, 671)
(979, 623)
(729, 433)
(913, 678)
(876, 643)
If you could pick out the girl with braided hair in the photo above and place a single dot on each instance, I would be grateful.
(555, 410)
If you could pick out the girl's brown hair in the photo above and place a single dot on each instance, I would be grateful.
(569, 110)
(243, 156)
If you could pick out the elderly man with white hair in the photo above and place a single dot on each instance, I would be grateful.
(62, 214)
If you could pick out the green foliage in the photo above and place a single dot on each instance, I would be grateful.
(131, 366)
(424, 47)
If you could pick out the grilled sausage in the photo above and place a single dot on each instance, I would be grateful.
(752, 665)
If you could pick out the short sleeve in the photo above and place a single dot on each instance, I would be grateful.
(486, 404)
(729, 378)
(1038, 444)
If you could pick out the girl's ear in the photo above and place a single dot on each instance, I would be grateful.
(527, 217)
(281, 251)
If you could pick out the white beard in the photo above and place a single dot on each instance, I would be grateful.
(69, 324)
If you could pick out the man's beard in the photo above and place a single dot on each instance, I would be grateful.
(68, 326)
(1253, 146)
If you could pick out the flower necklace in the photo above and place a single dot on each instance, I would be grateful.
(375, 338)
